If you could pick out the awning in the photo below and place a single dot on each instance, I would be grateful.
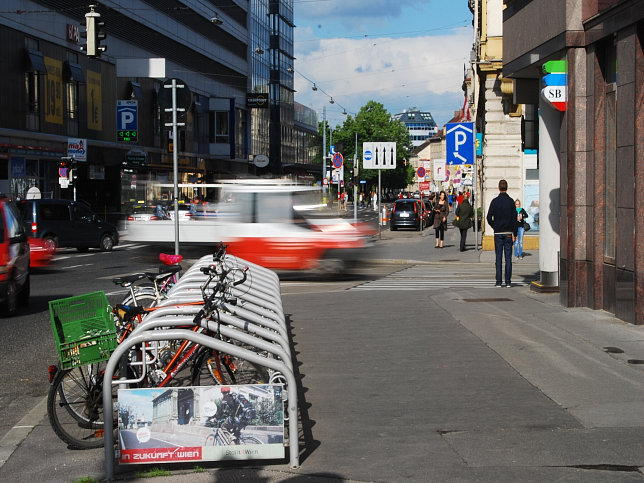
(36, 61)
(72, 71)
(135, 91)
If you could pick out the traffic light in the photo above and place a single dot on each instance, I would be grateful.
(94, 34)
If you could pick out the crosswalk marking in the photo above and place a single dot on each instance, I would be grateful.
(425, 277)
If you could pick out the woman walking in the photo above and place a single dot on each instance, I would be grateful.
(522, 215)
(441, 210)
(464, 215)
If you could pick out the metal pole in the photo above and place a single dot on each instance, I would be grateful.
(379, 208)
(175, 164)
(323, 149)
(355, 182)
(476, 198)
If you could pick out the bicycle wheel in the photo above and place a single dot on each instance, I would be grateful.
(75, 406)
(144, 298)
(211, 368)
(249, 440)
(210, 440)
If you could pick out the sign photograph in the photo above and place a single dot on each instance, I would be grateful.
(200, 423)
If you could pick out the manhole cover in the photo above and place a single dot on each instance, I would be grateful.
(488, 300)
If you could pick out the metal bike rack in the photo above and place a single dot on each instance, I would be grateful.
(257, 322)
(216, 344)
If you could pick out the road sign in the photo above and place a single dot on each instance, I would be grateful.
(63, 172)
(439, 170)
(379, 155)
(337, 160)
(459, 143)
(420, 172)
(127, 123)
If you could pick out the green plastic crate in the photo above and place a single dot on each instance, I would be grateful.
(83, 328)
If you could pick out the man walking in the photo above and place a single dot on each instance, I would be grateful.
(501, 216)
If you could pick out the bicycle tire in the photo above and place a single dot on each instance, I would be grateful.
(249, 440)
(210, 440)
(75, 406)
(144, 298)
(205, 371)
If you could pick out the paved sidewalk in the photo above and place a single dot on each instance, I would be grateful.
(458, 384)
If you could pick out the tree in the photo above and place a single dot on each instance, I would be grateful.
(374, 124)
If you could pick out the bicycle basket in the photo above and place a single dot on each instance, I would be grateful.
(83, 328)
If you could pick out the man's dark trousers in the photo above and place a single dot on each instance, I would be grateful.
(503, 245)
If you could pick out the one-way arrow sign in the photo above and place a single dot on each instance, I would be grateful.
(379, 155)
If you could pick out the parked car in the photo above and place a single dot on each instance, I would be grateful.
(407, 213)
(66, 223)
(14, 259)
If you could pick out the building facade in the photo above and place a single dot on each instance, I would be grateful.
(591, 146)
(420, 124)
(234, 57)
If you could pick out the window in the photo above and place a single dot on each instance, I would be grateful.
(219, 132)
(54, 212)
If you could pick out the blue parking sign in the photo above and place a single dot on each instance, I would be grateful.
(459, 142)
(127, 116)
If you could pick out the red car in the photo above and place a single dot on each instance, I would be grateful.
(14, 259)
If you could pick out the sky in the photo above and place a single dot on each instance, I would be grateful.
(401, 53)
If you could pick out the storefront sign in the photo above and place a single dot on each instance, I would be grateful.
(77, 149)
(257, 100)
(94, 101)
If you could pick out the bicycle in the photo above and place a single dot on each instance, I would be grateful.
(74, 400)
(232, 416)
(162, 282)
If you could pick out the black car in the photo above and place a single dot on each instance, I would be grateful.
(14, 259)
(66, 223)
(407, 213)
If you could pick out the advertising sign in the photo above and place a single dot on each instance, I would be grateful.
(257, 100)
(94, 101)
(53, 105)
(200, 423)
(77, 149)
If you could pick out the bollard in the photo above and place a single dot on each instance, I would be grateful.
(385, 216)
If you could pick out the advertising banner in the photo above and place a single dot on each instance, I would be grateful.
(201, 423)
(77, 148)
(94, 101)
(53, 105)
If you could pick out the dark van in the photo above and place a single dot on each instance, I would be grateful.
(66, 223)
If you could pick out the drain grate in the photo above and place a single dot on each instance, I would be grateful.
(497, 299)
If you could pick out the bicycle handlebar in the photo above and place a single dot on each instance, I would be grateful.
(209, 301)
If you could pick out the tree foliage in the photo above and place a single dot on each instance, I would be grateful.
(374, 124)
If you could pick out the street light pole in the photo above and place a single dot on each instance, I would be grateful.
(355, 182)
(323, 150)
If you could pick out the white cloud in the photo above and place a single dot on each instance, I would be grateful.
(399, 72)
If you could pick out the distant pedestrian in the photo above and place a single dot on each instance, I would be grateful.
(464, 215)
(502, 217)
(343, 201)
(361, 200)
(441, 210)
(374, 200)
(522, 215)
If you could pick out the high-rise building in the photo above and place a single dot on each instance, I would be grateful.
(234, 57)
(420, 124)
